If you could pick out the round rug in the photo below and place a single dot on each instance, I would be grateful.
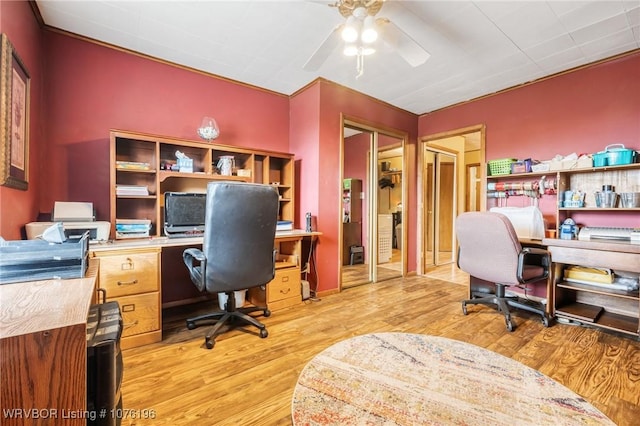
(414, 379)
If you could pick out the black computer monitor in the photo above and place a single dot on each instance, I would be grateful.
(184, 213)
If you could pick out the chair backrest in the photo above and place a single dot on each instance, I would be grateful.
(488, 247)
(240, 227)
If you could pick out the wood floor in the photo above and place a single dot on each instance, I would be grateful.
(246, 380)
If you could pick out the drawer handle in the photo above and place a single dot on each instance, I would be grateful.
(129, 308)
(285, 291)
(132, 282)
(285, 279)
(128, 265)
(130, 324)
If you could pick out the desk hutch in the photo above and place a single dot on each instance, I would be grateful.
(134, 271)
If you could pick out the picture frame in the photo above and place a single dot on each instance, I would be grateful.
(15, 85)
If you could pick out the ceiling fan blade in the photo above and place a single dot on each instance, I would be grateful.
(404, 45)
(326, 48)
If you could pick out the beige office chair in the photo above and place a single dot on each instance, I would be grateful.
(489, 250)
(237, 250)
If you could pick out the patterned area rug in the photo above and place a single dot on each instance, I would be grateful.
(414, 379)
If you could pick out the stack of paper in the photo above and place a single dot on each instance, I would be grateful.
(132, 190)
(132, 228)
(284, 225)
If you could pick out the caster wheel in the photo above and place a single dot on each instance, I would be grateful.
(510, 325)
(545, 321)
(464, 309)
(267, 313)
(209, 343)
(264, 333)
(190, 325)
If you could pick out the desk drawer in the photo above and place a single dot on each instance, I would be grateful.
(127, 274)
(140, 314)
(285, 285)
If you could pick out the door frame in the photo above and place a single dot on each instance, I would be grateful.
(430, 141)
(372, 202)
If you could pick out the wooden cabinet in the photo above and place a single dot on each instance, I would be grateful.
(284, 290)
(131, 276)
(611, 309)
(43, 347)
(144, 167)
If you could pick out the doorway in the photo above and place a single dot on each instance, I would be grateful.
(373, 193)
(450, 182)
(440, 193)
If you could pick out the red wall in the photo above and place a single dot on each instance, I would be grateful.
(324, 102)
(18, 207)
(92, 89)
(581, 111)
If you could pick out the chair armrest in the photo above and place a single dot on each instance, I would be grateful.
(196, 270)
(532, 256)
(536, 256)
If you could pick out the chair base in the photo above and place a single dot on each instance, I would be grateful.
(232, 316)
(500, 301)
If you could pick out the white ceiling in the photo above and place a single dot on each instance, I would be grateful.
(476, 47)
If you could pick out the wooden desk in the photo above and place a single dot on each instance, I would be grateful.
(146, 275)
(609, 309)
(43, 349)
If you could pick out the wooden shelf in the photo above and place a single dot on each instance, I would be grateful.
(633, 295)
(522, 175)
(599, 316)
(137, 197)
(163, 175)
(600, 209)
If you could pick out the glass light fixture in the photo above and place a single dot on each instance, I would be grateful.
(351, 29)
(208, 129)
(350, 50)
(367, 50)
(369, 33)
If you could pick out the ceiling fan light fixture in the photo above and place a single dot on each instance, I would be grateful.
(367, 50)
(369, 33)
(350, 50)
(351, 29)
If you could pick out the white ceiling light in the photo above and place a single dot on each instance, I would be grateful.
(351, 29)
(360, 34)
(369, 32)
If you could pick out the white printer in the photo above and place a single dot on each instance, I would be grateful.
(76, 218)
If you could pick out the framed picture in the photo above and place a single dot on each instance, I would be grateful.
(14, 127)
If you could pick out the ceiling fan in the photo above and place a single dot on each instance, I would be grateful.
(361, 33)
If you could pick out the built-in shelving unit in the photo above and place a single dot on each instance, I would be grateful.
(625, 178)
(143, 162)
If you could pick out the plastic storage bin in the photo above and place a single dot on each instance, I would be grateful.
(614, 155)
(501, 167)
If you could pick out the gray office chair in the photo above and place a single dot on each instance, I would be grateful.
(489, 250)
(237, 251)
